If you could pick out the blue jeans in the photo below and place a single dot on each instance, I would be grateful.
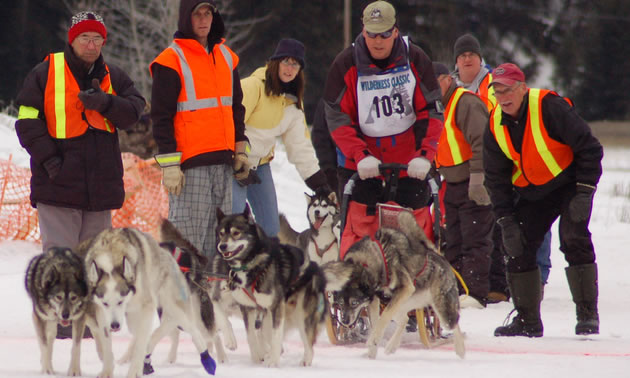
(262, 200)
(543, 257)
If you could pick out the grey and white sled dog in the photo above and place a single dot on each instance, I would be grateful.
(129, 276)
(319, 240)
(193, 264)
(55, 282)
(274, 281)
(403, 266)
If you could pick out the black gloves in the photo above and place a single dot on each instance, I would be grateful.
(252, 178)
(513, 240)
(94, 98)
(582, 203)
(52, 166)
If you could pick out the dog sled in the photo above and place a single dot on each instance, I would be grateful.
(355, 224)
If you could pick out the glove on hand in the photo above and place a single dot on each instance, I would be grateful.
(477, 191)
(368, 167)
(52, 166)
(582, 203)
(241, 164)
(512, 236)
(173, 179)
(251, 179)
(94, 98)
(418, 168)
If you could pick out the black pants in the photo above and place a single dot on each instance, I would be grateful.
(538, 216)
(468, 238)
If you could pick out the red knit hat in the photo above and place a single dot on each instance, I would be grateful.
(86, 22)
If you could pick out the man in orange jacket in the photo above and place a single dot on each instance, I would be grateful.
(197, 114)
(542, 162)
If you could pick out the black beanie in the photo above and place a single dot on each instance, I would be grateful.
(440, 69)
(289, 48)
(466, 43)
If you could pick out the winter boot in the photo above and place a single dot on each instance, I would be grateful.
(583, 284)
(526, 295)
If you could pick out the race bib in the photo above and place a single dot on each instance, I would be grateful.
(385, 102)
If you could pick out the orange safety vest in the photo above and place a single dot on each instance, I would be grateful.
(66, 116)
(204, 121)
(486, 93)
(542, 158)
(453, 149)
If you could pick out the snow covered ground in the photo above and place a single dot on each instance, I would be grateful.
(559, 353)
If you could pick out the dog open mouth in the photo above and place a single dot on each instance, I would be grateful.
(65, 322)
(319, 221)
(229, 254)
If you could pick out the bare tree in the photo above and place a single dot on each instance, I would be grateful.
(138, 30)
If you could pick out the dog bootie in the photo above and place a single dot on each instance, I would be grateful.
(208, 363)
(147, 368)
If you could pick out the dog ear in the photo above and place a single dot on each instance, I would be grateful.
(309, 198)
(51, 276)
(220, 214)
(337, 274)
(93, 274)
(128, 273)
(333, 199)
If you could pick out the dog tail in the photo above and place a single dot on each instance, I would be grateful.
(287, 234)
(409, 226)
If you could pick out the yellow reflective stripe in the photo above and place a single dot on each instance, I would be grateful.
(456, 153)
(539, 141)
(499, 133)
(28, 112)
(167, 160)
(60, 95)
(108, 125)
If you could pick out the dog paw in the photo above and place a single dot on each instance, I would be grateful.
(105, 374)
(306, 363)
(372, 349)
(74, 372)
(230, 341)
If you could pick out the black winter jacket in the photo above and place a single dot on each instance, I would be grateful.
(91, 175)
(562, 124)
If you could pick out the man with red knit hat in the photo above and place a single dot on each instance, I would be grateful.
(542, 163)
(70, 108)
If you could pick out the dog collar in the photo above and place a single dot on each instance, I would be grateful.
(320, 252)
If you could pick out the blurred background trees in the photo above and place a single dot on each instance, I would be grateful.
(576, 47)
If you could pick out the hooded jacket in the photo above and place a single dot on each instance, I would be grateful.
(91, 175)
(167, 86)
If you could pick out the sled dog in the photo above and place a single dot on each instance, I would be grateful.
(55, 282)
(403, 267)
(319, 239)
(193, 264)
(129, 276)
(275, 281)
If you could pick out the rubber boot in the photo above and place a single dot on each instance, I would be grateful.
(526, 295)
(583, 284)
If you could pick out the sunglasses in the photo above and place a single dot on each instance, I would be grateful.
(384, 35)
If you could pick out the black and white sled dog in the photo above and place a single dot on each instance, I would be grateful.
(129, 276)
(193, 264)
(55, 282)
(403, 266)
(319, 240)
(274, 281)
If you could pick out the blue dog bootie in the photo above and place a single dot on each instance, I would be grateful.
(208, 363)
(147, 368)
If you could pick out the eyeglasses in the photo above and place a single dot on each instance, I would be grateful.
(85, 40)
(384, 35)
(287, 62)
(506, 91)
(467, 55)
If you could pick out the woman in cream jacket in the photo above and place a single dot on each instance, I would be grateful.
(273, 98)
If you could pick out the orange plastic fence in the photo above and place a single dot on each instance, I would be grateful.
(146, 201)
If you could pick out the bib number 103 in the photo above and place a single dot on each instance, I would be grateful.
(386, 105)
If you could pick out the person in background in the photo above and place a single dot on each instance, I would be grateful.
(469, 218)
(472, 73)
(70, 110)
(542, 163)
(273, 97)
(197, 114)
